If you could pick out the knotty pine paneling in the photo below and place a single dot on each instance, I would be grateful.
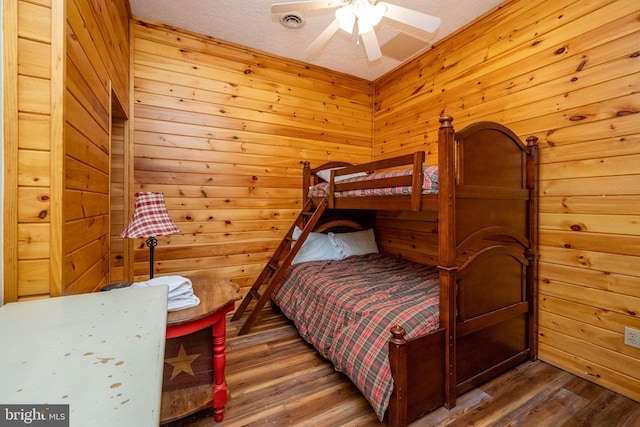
(97, 74)
(567, 72)
(117, 199)
(222, 130)
(62, 62)
(27, 46)
(34, 131)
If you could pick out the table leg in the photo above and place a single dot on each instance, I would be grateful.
(219, 361)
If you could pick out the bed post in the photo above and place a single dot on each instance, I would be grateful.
(416, 184)
(532, 252)
(447, 251)
(306, 181)
(398, 409)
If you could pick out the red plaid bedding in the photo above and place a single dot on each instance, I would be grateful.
(346, 308)
(429, 184)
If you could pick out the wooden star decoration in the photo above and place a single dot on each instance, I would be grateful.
(182, 362)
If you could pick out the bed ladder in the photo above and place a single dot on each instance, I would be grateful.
(275, 270)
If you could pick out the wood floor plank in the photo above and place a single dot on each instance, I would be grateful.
(275, 378)
(509, 395)
(601, 411)
(631, 419)
(545, 409)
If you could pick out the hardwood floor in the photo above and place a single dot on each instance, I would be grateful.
(276, 379)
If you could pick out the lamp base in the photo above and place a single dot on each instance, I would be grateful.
(152, 242)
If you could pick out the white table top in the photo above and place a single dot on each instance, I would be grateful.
(100, 353)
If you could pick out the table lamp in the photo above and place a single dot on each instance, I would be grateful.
(150, 219)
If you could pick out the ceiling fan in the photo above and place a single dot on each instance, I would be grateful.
(358, 18)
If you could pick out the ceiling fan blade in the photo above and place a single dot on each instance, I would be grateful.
(323, 37)
(410, 17)
(355, 32)
(371, 45)
(304, 5)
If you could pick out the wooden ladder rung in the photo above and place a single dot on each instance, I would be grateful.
(275, 270)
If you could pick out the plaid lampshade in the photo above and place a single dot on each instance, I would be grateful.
(150, 217)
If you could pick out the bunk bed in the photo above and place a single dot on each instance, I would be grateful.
(484, 192)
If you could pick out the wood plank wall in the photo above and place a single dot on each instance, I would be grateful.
(71, 56)
(221, 131)
(117, 199)
(568, 72)
(27, 148)
(97, 74)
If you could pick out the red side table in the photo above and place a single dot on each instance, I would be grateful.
(194, 368)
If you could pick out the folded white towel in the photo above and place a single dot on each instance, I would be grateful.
(177, 284)
(182, 303)
(180, 294)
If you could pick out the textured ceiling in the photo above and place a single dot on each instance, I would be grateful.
(250, 23)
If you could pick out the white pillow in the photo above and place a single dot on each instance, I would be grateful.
(325, 175)
(356, 243)
(317, 247)
(296, 233)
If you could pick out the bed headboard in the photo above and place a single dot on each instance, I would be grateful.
(339, 226)
(345, 220)
(502, 153)
(492, 180)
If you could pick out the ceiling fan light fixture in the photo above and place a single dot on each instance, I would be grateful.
(369, 13)
(346, 18)
(358, 18)
(364, 26)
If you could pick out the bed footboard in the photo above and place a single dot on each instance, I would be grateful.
(493, 307)
(417, 367)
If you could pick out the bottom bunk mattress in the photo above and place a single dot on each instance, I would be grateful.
(346, 309)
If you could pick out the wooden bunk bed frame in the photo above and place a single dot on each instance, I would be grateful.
(487, 246)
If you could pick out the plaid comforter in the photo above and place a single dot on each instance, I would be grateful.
(346, 308)
(429, 184)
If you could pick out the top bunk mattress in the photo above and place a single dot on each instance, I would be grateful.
(429, 184)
